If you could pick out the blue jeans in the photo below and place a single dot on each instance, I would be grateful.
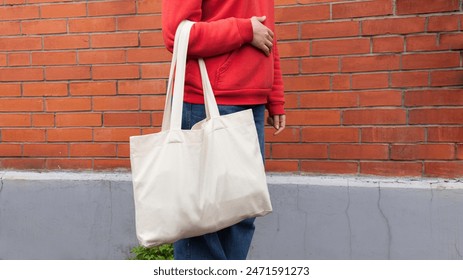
(231, 243)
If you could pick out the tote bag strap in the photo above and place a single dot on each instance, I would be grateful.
(173, 108)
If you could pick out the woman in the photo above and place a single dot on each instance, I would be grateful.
(236, 39)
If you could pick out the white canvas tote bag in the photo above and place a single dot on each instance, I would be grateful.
(191, 182)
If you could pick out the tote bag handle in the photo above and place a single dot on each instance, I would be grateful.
(172, 119)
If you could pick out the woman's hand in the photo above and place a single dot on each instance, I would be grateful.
(278, 122)
(263, 36)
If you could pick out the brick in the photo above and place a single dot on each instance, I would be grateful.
(142, 87)
(428, 42)
(19, 12)
(392, 44)
(393, 134)
(430, 61)
(92, 88)
(313, 117)
(436, 116)
(3, 60)
(150, 103)
(444, 169)
(69, 135)
(291, 66)
(45, 89)
(358, 151)
(330, 134)
(111, 8)
(341, 46)
(89, 25)
(328, 100)
(43, 120)
(311, 151)
(341, 82)
(10, 28)
(43, 27)
(67, 73)
(443, 23)
(114, 40)
(53, 58)
(374, 116)
(19, 59)
(362, 9)
(436, 97)
(286, 136)
(460, 151)
(68, 104)
(21, 74)
(47, 150)
(445, 134)
(380, 98)
(63, 10)
(78, 119)
(302, 13)
(330, 29)
(10, 150)
(20, 43)
(320, 65)
(410, 79)
(304, 83)
(10, 90)
(13, 120)
(281, 165)
(447, 78)
(293, 49)
(405, 7)
(148, 55)
(126, 119)
(370, 63)
(111, 72)
(422, 151)
(391, 168)
(452, 41)
(114, 134)
(148, 6)
(370, 81)
(101, 56)
(116, 103)
(21, 105)
(22, 163)
(13, 2)
(153, 38)
(111, 164)
(68, 164)
(291, 100)
(66, 42)
(393, 26)
(329, 167)
(93, 150)
(23, 135)
(285, 2)
(287, 31)
(139, 22)
(123, 150)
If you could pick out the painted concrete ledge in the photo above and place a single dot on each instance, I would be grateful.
(71, 215)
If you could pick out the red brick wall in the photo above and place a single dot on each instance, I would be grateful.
(372, 87)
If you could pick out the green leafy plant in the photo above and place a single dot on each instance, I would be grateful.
(163, 252)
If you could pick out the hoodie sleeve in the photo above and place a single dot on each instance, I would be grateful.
(206, 38)
(276, 99)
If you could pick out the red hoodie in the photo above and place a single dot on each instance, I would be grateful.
(240, 74)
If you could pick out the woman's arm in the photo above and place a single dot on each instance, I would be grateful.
(206, 38)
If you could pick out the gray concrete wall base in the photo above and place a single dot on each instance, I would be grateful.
(64, 215)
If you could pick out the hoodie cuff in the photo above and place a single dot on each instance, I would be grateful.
(245, 29)
(276, 109)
